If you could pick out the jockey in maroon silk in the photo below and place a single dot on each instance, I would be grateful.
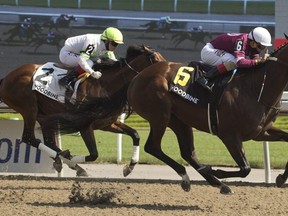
(234, 50)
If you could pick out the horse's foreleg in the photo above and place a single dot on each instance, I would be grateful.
(90, 142)
(275, 134)
(272, 134)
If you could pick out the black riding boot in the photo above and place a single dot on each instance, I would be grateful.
(67, 80)
(203, 81)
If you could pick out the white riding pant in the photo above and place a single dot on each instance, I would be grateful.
(214, 57)
(71, 59)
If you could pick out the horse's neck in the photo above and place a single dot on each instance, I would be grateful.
(275, 83)
(265, 85)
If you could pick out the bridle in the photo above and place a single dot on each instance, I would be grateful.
(150, 55)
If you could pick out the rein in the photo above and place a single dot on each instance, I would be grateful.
(129, 66)
(275, 59)
(137, 72)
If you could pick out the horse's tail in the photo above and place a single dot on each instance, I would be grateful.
(94, 109)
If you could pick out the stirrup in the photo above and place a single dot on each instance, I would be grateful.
(204, 83)
(69, 87)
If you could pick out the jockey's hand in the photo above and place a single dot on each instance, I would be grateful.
(96, 74)
(262, 60)
(265, 57)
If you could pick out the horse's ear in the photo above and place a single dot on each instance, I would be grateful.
(286, 36)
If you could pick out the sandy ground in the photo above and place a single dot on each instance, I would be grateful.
(52, 196)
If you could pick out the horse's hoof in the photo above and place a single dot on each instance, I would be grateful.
(185, 184)
(57, 164)
(224, 189)
(81, 173)
(127, 170)
(280, 181)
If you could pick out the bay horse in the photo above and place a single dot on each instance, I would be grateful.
(246, 111)
(51, 39)
(16, 91)
(195, 36)
(63, 21)
(24, 34)
(154, 26)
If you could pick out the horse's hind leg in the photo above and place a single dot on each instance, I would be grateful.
(235, 148)
(186, 144)
(49, 140)
(153, 147)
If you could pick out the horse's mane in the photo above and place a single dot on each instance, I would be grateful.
(278, 49)
(133, 51)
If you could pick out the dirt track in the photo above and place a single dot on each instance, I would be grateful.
(46, 196)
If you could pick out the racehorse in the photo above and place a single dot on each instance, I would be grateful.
(25, 34)
(16, 91)
(196, 36)
(51, 39)
(164, 28)
(246, 111)
(63, 21)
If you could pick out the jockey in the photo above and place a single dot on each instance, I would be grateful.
(64, 17)
(233, 50)
(50, 37)
(26, 23)
(79, 50)
(164, 21)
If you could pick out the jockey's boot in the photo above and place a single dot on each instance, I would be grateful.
(68, 79)
(204, 80)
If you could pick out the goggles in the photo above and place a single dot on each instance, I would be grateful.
(114, 44)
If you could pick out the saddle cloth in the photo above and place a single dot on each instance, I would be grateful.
(183, 84)
(45, 81)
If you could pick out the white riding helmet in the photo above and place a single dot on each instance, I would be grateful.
(260, 35)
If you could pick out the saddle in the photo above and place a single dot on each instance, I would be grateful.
(183, 84)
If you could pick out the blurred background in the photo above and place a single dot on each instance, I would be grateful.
(190, 25)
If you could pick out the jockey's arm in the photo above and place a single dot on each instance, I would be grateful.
(83, 63)
(86, 64)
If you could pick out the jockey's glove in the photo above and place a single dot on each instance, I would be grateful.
(96, 74)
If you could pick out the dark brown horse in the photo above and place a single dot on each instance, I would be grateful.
(63, 21)
(16, 91)
(196, 36)
(249, 105)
